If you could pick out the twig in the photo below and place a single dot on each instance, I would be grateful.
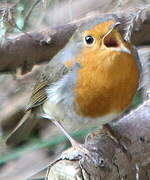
(135, 21)
(30, 11)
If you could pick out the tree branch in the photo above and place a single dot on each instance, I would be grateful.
(33, 48)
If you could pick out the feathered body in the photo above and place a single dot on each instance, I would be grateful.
(93, 79)
(101, 84)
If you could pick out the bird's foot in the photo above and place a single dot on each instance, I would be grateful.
(121, 141)
(75, 152)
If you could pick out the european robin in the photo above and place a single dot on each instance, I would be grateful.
(92, 80)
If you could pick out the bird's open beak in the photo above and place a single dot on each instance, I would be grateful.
(114, 26)
(114, 41)
(124, 49)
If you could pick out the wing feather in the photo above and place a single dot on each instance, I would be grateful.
(53, 72)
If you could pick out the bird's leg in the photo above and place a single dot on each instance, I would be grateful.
(76, 151)
(107, 129)
(59, 125)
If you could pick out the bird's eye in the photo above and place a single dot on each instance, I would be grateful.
(89, 40)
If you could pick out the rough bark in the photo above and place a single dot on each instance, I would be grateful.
(144, 54)
(108, 160)
(33, 48)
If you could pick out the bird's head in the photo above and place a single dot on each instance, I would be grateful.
(105, 36)
(94, 38)
(106, 64)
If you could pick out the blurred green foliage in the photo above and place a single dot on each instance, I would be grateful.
(11, 19)
(36, 144)
(137, 99)
(19, 15)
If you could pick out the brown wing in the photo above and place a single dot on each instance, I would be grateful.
(53, 72)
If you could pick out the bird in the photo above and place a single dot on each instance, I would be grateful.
(92, 80)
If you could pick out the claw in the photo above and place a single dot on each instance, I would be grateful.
(75, 153)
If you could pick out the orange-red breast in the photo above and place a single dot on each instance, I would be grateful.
(92, 80)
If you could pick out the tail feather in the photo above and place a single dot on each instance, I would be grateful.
(22, 130)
